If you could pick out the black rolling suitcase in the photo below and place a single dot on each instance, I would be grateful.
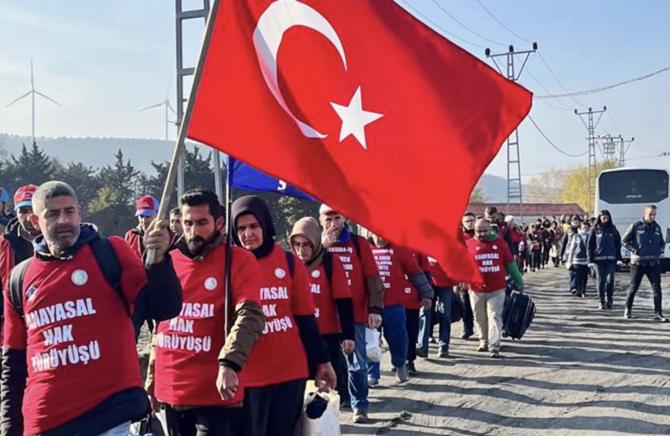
(518, 314)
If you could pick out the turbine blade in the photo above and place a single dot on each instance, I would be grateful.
(152, 106)
(19, 98)
(48, 98)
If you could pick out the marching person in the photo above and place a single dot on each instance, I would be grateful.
(198, 372)
(395, 263)
(334, 308)
(444, 288)
(604, 250)
(468, 227)
(415, 315)
(644, 240)
(146, 210)
(290, 349)
(576, 256)
(367, 293)
(495, 260)
(5, 216)
(69, 357)
(175, 223)
(16, 244)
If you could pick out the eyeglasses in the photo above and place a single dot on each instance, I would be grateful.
(305, 244)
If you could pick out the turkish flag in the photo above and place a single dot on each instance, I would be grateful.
(362, 106)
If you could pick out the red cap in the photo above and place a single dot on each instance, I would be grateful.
(24, 196)
(146, 206)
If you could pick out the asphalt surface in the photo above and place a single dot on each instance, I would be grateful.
(579, 370)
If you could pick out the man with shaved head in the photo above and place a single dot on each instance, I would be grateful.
(495, 260)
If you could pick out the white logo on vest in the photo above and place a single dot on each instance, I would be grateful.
(79, 277)
(316, 273)
(210, 283)
(280, 273)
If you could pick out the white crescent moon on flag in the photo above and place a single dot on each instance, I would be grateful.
(279, 17)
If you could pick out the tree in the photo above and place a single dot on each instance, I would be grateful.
(546, 187)
(198, 173)
(32, 166)
(83, 179)
(113, 207)
(576, 187)
(477, 195)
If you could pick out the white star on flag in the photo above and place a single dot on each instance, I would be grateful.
(354, 118)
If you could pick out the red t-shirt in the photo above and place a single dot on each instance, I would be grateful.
(187, 346)
(279, 355)
(325, 294)
(357, 269)
(491, 258)
(78, 337)
(394, 264)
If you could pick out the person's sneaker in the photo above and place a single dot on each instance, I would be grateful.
(602, 306)
(372, 381)
(411, 369)
(482, 348)
(443, 353)
(360, 417)
(660, 318)
(582, 295)
(432, 340)
(609, 305)
(494, 354)
(401, 374)
(421, 353)
(626, 313)
(467, 334)
(573, 291)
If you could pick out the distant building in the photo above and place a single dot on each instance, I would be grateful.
(531, 211)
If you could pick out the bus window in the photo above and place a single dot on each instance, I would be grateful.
(633, 186)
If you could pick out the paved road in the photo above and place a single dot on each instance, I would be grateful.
(579, 370)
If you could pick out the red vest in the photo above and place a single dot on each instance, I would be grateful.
(188, 346)
(325, 294)
(279, 355)
(78, 336)
(394, 264)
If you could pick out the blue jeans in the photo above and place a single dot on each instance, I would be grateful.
(425, 329)
(443, 311)
(394, 327)
(357, 363)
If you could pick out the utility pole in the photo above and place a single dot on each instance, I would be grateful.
(514, 185)
(609, 146)
(623, 150)
(591, 128)
(182, 73)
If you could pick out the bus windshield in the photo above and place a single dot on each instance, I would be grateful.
(633, 186)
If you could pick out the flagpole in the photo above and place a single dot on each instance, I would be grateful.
(185, 122)
(229, 238)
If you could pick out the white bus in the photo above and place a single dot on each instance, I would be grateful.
(625, 192)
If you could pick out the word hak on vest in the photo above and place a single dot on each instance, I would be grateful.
(72, 354)
(181, 336)
(274, 323)
(486, 262)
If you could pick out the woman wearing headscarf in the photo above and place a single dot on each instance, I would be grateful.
(334, 309)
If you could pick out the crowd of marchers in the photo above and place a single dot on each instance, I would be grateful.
(75, 301)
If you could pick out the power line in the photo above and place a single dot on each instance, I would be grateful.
(503, 24)
(555, 76)
(469, 29)
(551, 142)
(562, 107)
(436, 25)
(606, 88)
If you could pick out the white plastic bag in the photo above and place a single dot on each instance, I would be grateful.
(372, 347)
(328, 424)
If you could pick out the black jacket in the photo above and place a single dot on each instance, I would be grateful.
(604, 244)
(645, 242)
(161, 298)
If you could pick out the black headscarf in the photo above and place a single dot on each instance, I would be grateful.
(254, 205)
(600, 218)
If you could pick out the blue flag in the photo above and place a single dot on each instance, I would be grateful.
(246, 177)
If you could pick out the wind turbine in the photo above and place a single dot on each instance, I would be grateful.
(168, 109)
(32, 94)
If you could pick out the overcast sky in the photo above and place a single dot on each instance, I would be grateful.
(105, 60)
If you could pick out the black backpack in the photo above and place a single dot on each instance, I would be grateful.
(105, 257)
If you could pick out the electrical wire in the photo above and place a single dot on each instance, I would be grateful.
(555, 76)
(502, 24)
(552, 143)
(536, 80)
(436, 25)
(608, 87)
(469, 29)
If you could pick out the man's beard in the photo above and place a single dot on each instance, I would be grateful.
(197, 245)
